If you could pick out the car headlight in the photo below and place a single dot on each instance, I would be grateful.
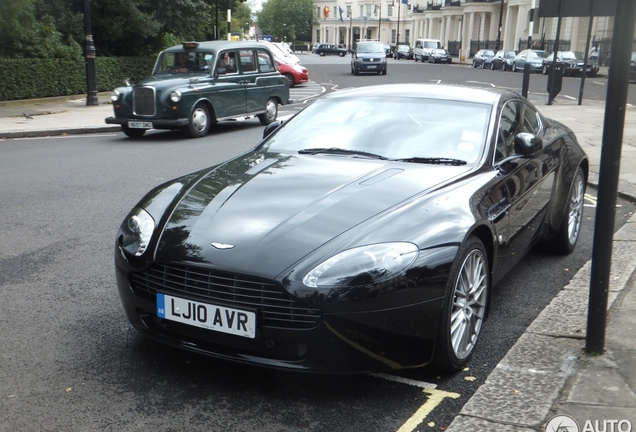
(114, 95)
(136, 231)
(175, 96)
(362, 265)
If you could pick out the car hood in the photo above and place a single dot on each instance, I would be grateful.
(261, 213)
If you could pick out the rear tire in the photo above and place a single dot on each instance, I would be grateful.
(545, 70)
(465, 307)
(271, 112)
(492, 65)
(568, 234)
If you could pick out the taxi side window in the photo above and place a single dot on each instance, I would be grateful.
(248, 63)
(265, 62)
(227, 63)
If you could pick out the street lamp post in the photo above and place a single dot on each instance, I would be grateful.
(499, 31)
(91, 94)
(229, 20)
(350, 30)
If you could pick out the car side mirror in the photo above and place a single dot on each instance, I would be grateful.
(272, 127)
(527, 144)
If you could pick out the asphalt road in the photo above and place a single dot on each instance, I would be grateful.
(70, 360)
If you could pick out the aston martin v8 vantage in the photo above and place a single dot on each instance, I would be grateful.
(365, 233)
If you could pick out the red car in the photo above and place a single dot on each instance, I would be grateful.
(295, 74)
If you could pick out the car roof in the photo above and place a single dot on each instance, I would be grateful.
(217, 46)
(428, 91)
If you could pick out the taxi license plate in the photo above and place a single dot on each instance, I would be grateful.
(371, 67)
(207, 316)
(139, 125)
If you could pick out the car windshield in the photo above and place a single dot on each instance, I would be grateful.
(389, 127)
(538, 54)
(430, 44)
(510, 54)
(403, 47)
(488, 53)
(439, 51)
(179, 62)
(372, 48)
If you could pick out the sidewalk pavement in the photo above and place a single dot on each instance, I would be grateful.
(546, 373)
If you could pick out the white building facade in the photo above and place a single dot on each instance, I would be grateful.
(463, 26)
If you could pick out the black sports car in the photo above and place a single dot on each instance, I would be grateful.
(363, 234)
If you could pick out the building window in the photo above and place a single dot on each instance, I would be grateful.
(393, 34)
(349, 14)
(327, 35)
(407, 35)
(390, 12)
(317, 36)
(361, 10)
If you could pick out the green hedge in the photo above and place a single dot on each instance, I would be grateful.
(37, 78)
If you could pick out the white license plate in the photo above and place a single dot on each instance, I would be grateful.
(207, 316)
(371, 67)
(139, 125)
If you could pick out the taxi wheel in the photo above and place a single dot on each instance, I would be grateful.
(133, 133)
(199, 124)
(271, 112)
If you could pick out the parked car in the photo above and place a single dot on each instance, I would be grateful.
(423, 48)
(314, 47)
(295, 74)
(209, 87)
(439, 55)
(403, 51)
(280, 52)
(573, 63)
(533, 57)
(483, 58)
(503, 60)
(368, 56)
(344, 241)
(388, 51)
(330, 49)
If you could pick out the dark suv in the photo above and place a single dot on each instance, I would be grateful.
(369, 56)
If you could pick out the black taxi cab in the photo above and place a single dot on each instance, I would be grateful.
(197, 84)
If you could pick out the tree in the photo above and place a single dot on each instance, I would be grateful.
(287, 19)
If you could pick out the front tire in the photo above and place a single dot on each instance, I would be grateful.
(492, 65)
(290, 79)
(465, 307)
(568, 234)
(271, 112)
(132, 132)
(200, 120)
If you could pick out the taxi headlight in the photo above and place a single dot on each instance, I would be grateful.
(114, 95)
(175, 96)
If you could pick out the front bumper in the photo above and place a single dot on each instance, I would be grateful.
(351, 338)
(156, 123)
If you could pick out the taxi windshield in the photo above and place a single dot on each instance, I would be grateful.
(184, 62)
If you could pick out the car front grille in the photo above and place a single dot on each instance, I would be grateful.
(144, 101)
(276, 309)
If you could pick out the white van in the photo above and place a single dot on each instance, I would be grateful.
(423, 48)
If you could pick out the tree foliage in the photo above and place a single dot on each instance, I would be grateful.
(287, 19)
(55, 28)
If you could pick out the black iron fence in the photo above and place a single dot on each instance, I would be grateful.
(454, 47)
(546, 45)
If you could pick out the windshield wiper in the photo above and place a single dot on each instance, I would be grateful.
(336, 150)
(428, 160)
